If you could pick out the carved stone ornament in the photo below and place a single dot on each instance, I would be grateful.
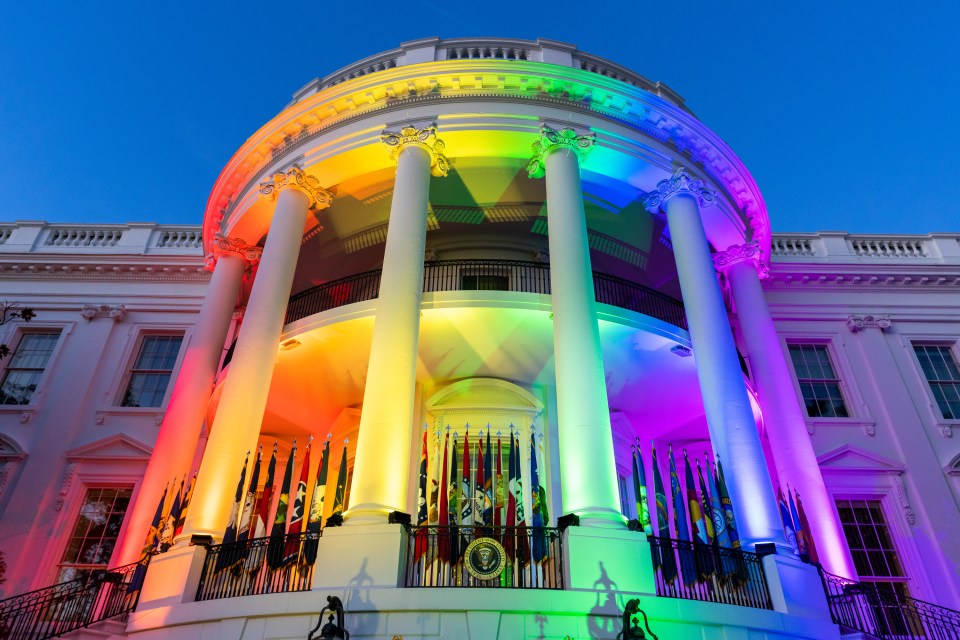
(901, 492)
(295, 178)
(946, 430)
(681, 182)
(91, 311)
(551, 139)
(857, 322)
(426, 139)
(749, 252)
(65, 485)
(222, 244)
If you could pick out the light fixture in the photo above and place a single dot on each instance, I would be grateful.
(331, 630)
(680, 350)
(631, 624)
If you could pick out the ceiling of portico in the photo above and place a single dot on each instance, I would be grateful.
(325, 371)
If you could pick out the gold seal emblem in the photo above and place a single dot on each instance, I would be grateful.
(485, 558)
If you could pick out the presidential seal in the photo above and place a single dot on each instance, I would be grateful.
(485, 558)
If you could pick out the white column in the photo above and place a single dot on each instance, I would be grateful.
(588, 471)
(179, 433)
(381, 467)
(733, 431)
(236, 426)
(785, 425)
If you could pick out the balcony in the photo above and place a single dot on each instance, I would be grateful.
(487, 275)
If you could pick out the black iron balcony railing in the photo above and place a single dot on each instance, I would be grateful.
(436, 557)
(54, 611)
(884, 613)
(258, 566)
(709, 573)
(496, 275)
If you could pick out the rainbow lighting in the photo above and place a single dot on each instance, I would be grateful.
(487, 278)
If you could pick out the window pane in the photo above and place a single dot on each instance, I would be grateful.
(819, 386)
(95, 532)
(940, 368)
(151, 372)
(26, 366)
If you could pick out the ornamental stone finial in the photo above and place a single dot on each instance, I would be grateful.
(680, 182)
(749, 252)
(222, 244)
(295, 178)
(426, 139)
(550, 139)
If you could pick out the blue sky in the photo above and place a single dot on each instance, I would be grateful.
(846, 113)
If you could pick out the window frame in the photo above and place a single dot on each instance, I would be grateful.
(130, 358)
(838, 371)
(912, 343)
(16, 337)
(76, 509)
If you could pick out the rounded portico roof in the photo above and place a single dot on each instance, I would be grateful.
(488, 97)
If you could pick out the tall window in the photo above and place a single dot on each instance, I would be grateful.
(943, 375)
(819, 384)
(151, 372)
(95, 532)
(875, 558)
(26, 366)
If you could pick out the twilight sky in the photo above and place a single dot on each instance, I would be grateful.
(845, 112)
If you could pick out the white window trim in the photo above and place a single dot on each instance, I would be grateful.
(118, 385)
(922, 391)
(858, 414)
(13, 337)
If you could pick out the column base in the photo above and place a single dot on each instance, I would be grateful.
(172, 577)
(608, 559)
(601, 519)
(367, 514)
(795, 587)
(360, 556)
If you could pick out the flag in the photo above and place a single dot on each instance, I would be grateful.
(340, 493)
(727, 505)
(149, 544)
(315, 519)
(789, 529)
(509, 542)
(422, 540)
(246, 515)
(182, 519)
(443, 539)
(170, 522)
(698, 526)
(801, 532)
(262, 514)
(688, 567)
(664, 558)
(523, 540)
(278, 532)
(707, 507)
(721, 535)
(292, 551)
(453, 488)
(229, 555)
(488, 483)
(539, 544)
(499, 491)
(478, 495)
(466, 495)
(811, 546)
(433, 513)
(640, 490)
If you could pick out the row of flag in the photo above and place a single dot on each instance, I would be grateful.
(796, 527)
(466, 503)
(249, 517)
(163, 528)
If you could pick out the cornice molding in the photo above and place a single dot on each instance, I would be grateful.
(573, 89)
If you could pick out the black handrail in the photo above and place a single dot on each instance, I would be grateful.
(61, 608)
(435, 556)
(272, 564)
(693, 571)
(864, 607)
(500, 275)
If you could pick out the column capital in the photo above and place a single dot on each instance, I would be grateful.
(296, 178)
(426, 139)
(856, 322)
(680, 182)
(551, 139)
(736, 253)
(221, 245)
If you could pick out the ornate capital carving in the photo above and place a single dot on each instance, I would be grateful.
(551, 139)
(426, 139)
(221, 245)
(91, 311)
(858, 322)
(295, 178)
(681, 182)
(749, 252)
